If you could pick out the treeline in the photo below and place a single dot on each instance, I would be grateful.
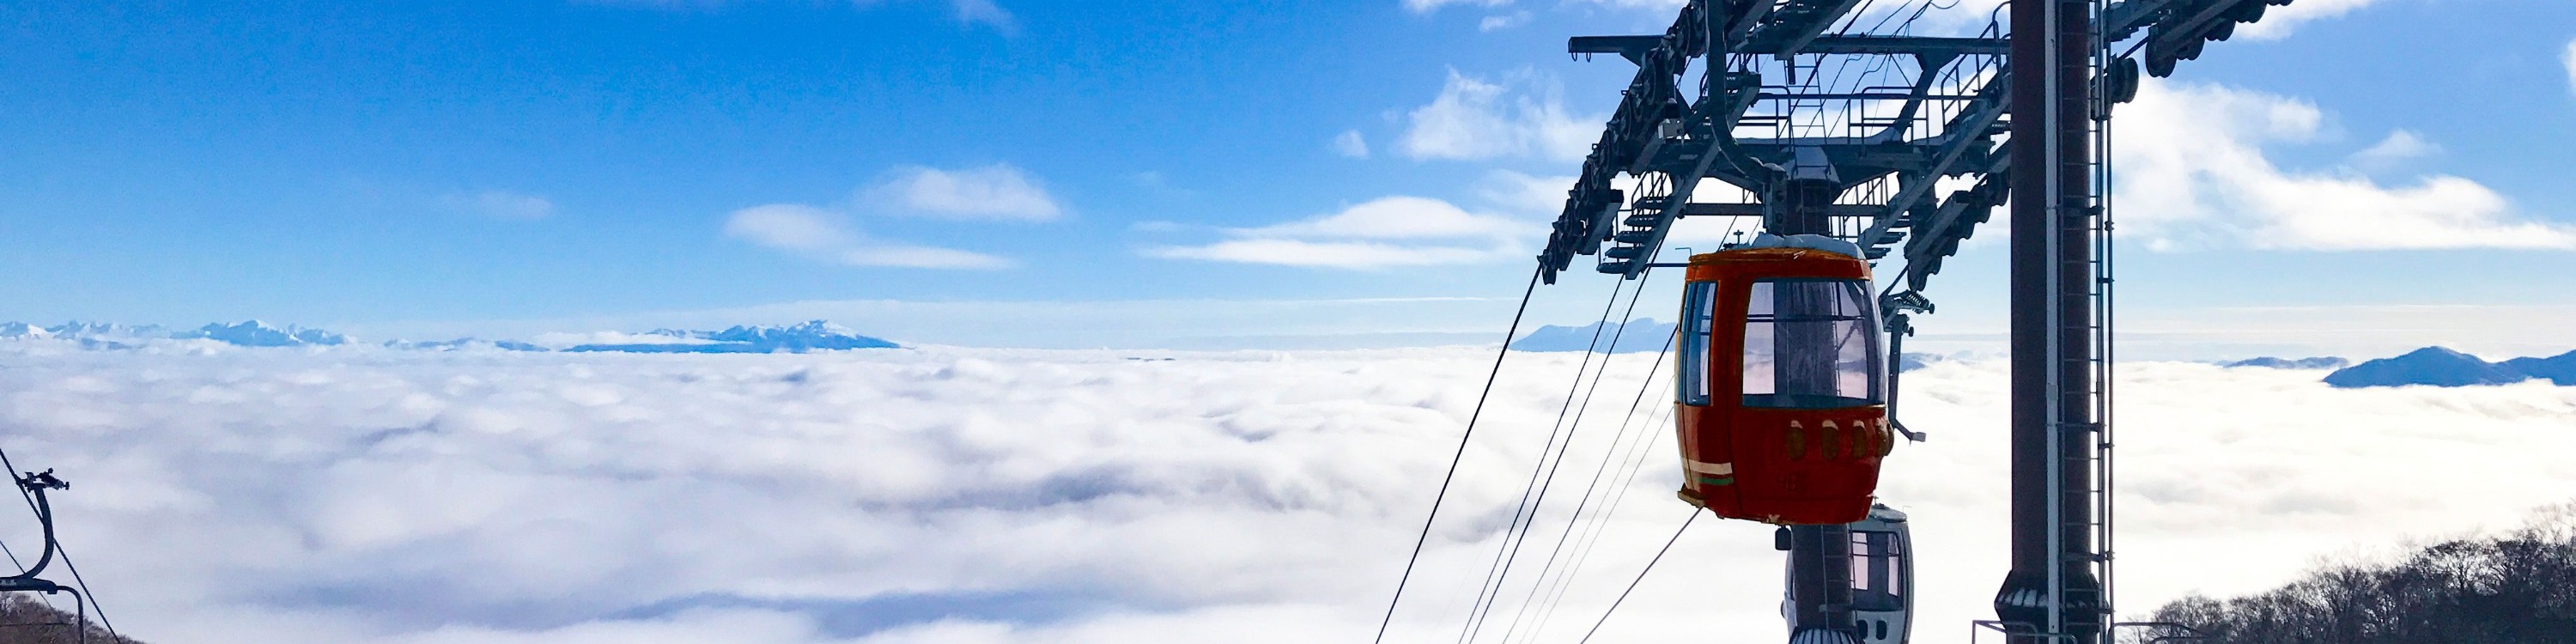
(2513, 589)
(25, 619)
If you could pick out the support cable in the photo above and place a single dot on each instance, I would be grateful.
(1641, 576)
(85, 592)
(1627, 420)
(1616, 493)
(1445, 479)
(1517, 532)
(1583, 554)
(1557, 467)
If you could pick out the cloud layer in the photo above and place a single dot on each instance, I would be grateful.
(1085, 496)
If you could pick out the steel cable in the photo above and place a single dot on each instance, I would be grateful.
(1641, 576)
(1445, 479)
(1627, 420)
(1517, 532)
(1617, 494)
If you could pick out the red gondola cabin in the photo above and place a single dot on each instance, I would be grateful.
(1782, 405)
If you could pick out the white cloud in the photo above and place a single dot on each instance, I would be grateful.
(788, 226)
(901, 256)
(501, 204)
(1080, 496)
(994, 192)
(1659, 5)
(2278, 22)
(2568, 60)
(1428, 6)
(967, 11)
(1519, 115)
(1398, 218)
(1504, 21)
(984, 11)
(1525, 193)
(821, 235)
(1350, 144)
(1324, 254)
(2192, 173)
(2400, 146)
(1386, 232)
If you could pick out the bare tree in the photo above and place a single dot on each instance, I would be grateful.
(2519, 588)
(24, 619)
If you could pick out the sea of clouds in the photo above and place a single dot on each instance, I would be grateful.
(977, 495)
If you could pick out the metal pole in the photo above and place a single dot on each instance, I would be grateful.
(2022, 599)
(2051, 589)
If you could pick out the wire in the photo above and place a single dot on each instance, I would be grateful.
(1517, 532)
(1445, 479)
(1623, 483)
(1641, 576)
(1614, 493)
(85, 591)
(1626, 421)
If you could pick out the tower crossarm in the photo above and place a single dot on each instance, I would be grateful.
(1749, 126)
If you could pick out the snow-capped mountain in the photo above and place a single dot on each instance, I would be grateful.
(105, 331)
(462, 344)
(254, 333)
(816, 335)
(101, 335)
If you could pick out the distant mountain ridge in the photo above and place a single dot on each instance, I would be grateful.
(247, 333)
(253, 333)
(2442, 367)
(2558, 370)
(2326, 362)
(1642, 335)
(815, 335)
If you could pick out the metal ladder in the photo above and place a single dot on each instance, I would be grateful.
(2102, 357)
(1631, 240)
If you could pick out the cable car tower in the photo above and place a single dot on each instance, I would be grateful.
(1823, 120)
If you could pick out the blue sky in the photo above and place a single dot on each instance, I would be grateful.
(922, 168)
